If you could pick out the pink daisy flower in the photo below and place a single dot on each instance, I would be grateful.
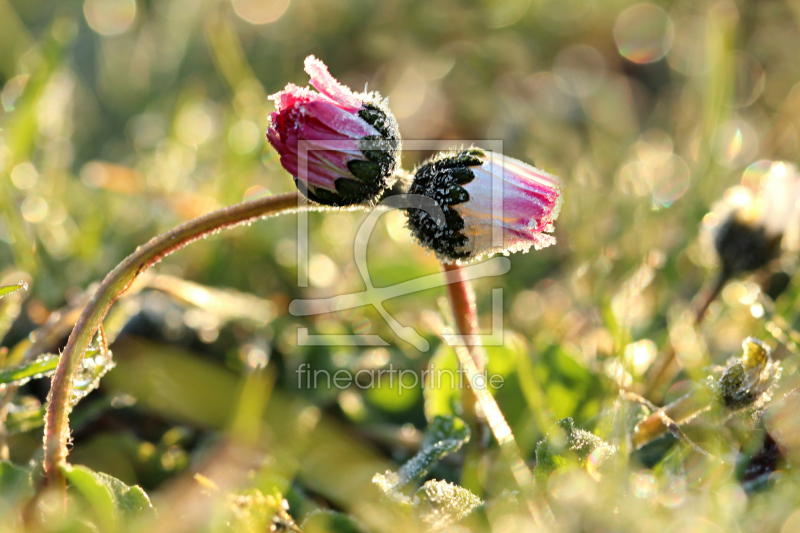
(463, 184)
(358, 148)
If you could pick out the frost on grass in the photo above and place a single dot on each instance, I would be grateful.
(436, 504)
(445, 435)
(567, 446)
(94, 366)
(254, 511)
(440, 504)
(42, 366)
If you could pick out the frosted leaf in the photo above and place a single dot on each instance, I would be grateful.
(19, 375)
(25, 414)
(446, 434)
(254, 511)
(387, 483)
(436, 505)
(440, 504)
(566, 446)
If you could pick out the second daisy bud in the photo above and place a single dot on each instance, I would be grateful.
(465, 184)
(753, 222)
(355, 143)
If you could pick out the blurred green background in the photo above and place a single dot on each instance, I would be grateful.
(122, 118)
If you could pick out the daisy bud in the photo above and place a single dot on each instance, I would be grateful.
(751, 224)
(359, 164)
(742, 247)
(463, 183)
(746, 380)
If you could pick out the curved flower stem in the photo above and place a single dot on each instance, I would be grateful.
(465, 315)
(465, 318)
(56, 432)
(472, 359)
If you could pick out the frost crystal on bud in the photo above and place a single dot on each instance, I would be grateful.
(358, 148)
(746, 380)
(466, 184)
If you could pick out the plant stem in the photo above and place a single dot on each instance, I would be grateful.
(682, 410)
(465, 318)
(706, 298)
(472, 359)
(5, 399)
(465, 315)
(56, 434)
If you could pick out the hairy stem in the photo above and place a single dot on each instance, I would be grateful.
(465, 319)
(56, 434)
(472, 359)
(465, 315)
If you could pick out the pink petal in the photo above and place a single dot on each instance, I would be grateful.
(313, 174)
(517, 170)
(292, 95)
(322, 80)
(531, 201)
(522, 203)
(340, 120)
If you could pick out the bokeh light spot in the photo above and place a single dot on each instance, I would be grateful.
(244, 136)
(548, 95)
(736, 143)
(34, 209)
(409, 93)
(196, 124)
(644, 33)
(756, 174)
(644, 484)
(322, 271)
(109, 17)
(639, 355)
(671, 178)
(362, 326)
(582, 68)
(792, 523)
(24, 176)
(260, 11)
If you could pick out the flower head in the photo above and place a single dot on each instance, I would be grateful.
(462, 183)
(359, 141)
(749, 225)
(748, 379)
